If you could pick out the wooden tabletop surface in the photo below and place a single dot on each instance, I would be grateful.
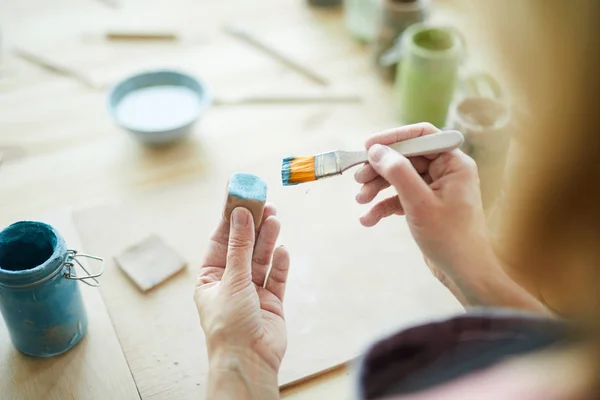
(58, 145)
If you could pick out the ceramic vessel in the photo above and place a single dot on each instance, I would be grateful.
(486, 124)
(362, 18)
(325, 3)
(396, 16)
(156, 122)
(429, 61)
(41, 305)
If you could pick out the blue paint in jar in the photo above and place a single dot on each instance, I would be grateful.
(42, 308)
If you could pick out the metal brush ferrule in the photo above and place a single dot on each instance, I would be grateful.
(327, 164)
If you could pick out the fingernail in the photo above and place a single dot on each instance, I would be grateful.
(376, 152)
(362, 219)
(239, 217)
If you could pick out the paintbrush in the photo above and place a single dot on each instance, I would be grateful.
(295, 170)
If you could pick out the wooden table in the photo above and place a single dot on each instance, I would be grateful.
(74, 155)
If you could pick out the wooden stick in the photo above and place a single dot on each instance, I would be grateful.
(286, 100)
(54, 67)
(276, 54)
(139, 36)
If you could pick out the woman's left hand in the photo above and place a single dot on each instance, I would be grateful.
(242, 317)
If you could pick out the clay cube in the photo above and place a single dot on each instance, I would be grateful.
(248, 191)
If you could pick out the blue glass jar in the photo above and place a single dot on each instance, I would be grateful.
(40, 298)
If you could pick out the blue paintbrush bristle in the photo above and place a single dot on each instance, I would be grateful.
(286, 165)
(295, 170)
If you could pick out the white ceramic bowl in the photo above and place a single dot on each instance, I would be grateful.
(158, 107)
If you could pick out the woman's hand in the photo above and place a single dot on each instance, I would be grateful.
(242, 317)
(440, 196)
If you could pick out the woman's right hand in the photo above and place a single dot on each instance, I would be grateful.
(440, 196)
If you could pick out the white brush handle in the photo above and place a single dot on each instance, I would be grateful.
(336, 162)
(429, 144)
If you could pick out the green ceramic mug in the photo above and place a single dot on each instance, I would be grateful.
(430, 58)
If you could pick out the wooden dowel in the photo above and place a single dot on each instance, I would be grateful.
(141, 36)
(276, 54)
(286, 100)
(53, 66)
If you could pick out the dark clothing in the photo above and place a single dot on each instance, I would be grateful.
(435, 353)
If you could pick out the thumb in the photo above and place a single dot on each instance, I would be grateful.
(240, 248)
(399, 172)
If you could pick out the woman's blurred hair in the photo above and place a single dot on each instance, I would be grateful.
(550, 55)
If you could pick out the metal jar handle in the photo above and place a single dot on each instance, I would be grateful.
(89, 279)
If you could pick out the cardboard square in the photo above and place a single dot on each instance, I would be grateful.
(150, 262)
